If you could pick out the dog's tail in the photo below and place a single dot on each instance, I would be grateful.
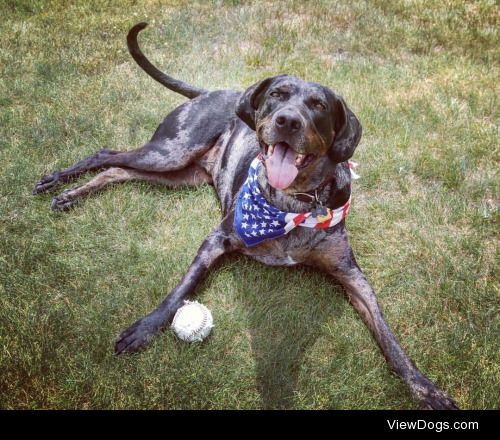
(173, 84)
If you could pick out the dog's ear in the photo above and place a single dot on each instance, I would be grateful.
(249, 101)
(347, 132)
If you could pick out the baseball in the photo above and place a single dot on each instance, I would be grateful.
(192, 322)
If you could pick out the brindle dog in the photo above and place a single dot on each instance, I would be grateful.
(212, 138)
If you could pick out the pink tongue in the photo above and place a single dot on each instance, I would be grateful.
(281, 169)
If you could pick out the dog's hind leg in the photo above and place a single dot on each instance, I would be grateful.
(221, 241)
(49, 181)
(152, 157)
(185, 135)
(192, 175)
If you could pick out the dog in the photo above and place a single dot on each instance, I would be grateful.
(277, 155)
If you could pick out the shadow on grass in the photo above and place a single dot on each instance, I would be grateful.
(284, 323)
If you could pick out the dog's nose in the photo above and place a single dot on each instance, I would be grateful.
(288, 122)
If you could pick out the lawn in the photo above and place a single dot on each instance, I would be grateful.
(422, 75)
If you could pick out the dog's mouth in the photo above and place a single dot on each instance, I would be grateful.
(283, 164)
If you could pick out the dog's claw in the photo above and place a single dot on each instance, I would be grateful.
(63, 201)
(46, 183)
(136, 337)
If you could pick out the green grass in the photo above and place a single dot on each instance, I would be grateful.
(422, 76)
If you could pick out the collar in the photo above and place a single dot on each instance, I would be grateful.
(312, 196)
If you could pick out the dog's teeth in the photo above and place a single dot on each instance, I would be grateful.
(270, 151)
(300, 159)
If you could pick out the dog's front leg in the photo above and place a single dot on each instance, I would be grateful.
(219, 242)
(334, 255)
(363, 298)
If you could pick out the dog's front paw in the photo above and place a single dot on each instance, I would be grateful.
(137, 336)
(430, 396)
(46, 183)
(64, 201)
(438, 400)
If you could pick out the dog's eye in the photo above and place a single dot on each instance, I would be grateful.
(275, 94)
(319, 106)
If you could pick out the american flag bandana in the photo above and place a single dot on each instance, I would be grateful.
(255, 220)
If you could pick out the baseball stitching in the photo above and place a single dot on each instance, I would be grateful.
(203, 321)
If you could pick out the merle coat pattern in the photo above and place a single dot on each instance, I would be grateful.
(212, 138)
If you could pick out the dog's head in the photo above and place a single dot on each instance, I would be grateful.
(303, 128)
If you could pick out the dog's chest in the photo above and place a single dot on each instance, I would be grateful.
(289, 250)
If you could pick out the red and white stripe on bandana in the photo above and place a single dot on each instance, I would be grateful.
(255, 220)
